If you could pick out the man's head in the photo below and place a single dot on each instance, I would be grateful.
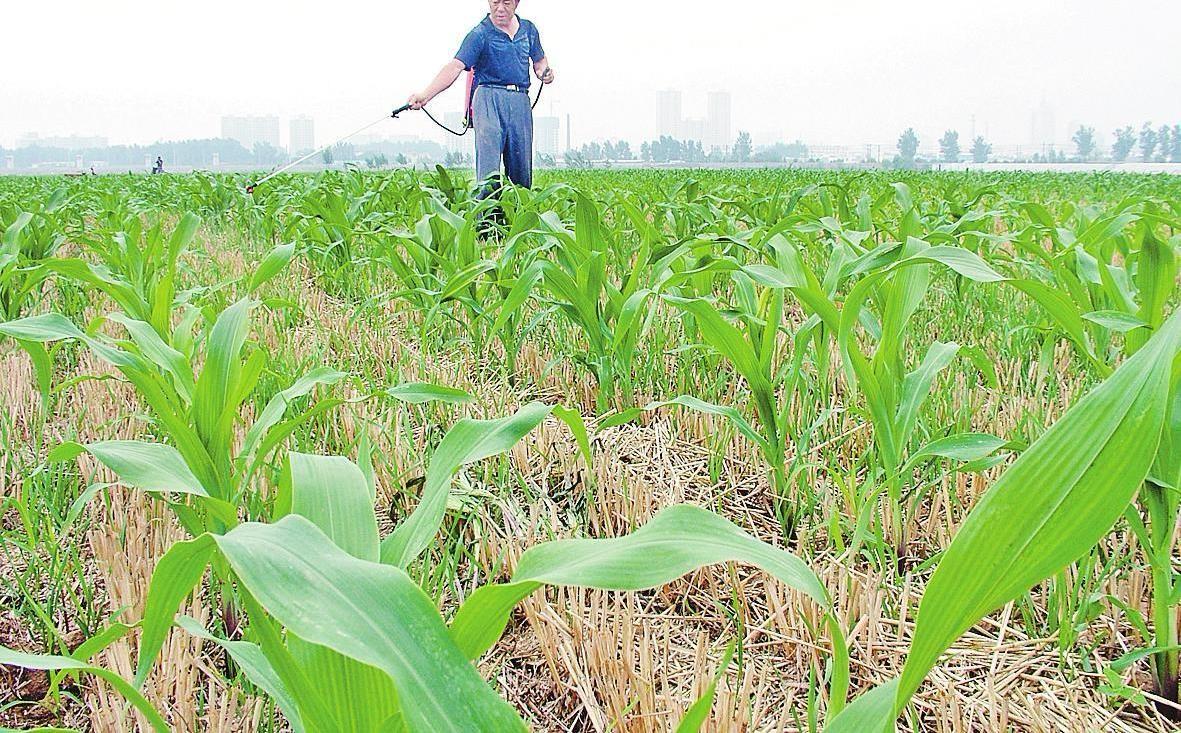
(502, 11)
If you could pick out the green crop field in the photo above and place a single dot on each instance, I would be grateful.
(639, 451)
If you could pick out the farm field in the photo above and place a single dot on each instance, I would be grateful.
(641, 451)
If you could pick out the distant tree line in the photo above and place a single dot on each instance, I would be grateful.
(1150, 145)
(617, 150)
(201, 153)
(189, 153)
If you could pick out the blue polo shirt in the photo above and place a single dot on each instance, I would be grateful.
(498, 59)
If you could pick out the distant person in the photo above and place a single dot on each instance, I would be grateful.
(159, 167)
(499, 50)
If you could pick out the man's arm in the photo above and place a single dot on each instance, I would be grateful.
(442, 81)
(543, 70)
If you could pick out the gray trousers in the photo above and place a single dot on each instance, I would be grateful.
(504, 132)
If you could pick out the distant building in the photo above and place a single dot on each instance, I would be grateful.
(714, 131)
(1042, 129)
(546, 135)
(302, 135)
(249, 131)
(718, 134)
(693, 130)
(69, 142)
(669, 104)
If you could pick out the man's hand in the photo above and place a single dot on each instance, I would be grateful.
(417, 100)
(547, 76)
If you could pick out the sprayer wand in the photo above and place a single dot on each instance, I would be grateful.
(250, 188)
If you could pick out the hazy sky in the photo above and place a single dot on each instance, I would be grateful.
(842, 71)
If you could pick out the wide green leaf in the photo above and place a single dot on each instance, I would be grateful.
(468, 441)
(676, 541)
(419, 393)
(145, 466)
(369, 612)
(331, 493)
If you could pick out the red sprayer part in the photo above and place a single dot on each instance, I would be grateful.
(471, 78)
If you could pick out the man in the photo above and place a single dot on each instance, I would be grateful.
(500, 50)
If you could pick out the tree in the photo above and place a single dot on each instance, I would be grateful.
(1164, 143)
(908, 147)
(1084, 142)
(624, 150)
(267, 154)
(1148, 141)
(575, 159)
(327, 157)
(949, 147)
(980, 150)
(1125, 140)
(402, 159)
(742, 147)
(1175, 145)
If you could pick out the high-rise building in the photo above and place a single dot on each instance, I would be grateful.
(669, 104)
(1042, 128)
(249, 131)
(546, 135)
(717, 121)
(694, 130)
(302, 138)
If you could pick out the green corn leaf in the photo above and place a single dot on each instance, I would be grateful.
(726, 411)
(100, 641)
(254, 664)
(1117, 321)
(1056, 501)
(212, 400)
(161, 354)
(11, 239)
(274, 263)
(331, 493)
(573, 420)
(676, 541)
(183, 235)
(145, 466)
(916, 387)
(74, 667)
(468, 441)
(42, 367)
(369, 612)
(871, 712)
(41, 329)
(462, 280)
(277, 406)
(419, 393)
(726, 339)
(359, 697)
(964, 447)
(517, 296)
(1053, 504)
(174, 578)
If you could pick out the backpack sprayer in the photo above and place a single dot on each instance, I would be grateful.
(467, 125)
